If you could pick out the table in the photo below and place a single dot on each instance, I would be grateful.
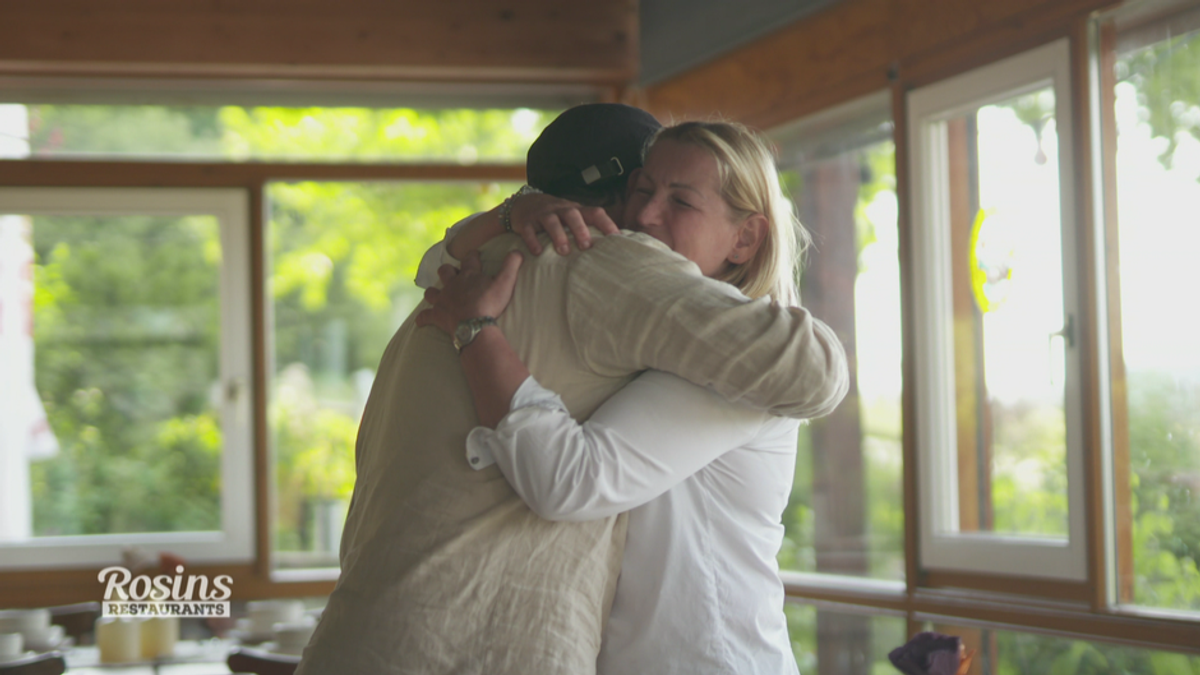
(192, 657)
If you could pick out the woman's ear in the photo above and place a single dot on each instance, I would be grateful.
(751, 235)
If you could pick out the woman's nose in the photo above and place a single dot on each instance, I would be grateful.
(647, 212)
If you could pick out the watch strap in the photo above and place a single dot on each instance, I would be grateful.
(469, 329)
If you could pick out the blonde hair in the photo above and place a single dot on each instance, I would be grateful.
(750, 185)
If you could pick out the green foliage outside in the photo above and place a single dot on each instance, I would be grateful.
(1167, 77)
(1026, 654)
(1029, 470)
(1164, 440)
(125, 333)
(870, 658)
(309, 134)
(1164, 407)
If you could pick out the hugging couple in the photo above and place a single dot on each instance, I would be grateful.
(577, 451)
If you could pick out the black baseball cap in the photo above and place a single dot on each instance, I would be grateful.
(589, 148)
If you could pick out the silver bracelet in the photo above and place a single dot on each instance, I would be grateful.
(506, 206)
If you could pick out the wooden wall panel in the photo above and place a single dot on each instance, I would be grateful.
(533, 40)
(779, 70)
(857, 47)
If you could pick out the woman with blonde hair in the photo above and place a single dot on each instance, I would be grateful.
(705, 481)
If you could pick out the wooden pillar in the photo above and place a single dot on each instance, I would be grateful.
(973, 412)
(829, 195)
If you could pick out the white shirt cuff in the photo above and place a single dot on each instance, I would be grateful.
(439, 254)
(529, 395)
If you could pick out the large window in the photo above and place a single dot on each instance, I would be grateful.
(343, 257)
(843, 639)
(1051, 396)
(126, 415)
(128, 316)
(1151, 111)
(236, 133)
(846, 514)
(1014, 652)
(845, 520)
(1000, 445)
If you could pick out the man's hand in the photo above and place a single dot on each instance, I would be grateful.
(536, 213)
(469, 293)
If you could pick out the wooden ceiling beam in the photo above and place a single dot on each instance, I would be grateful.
(464, 40)
(854, 48)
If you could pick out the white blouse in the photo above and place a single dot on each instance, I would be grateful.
(707, 482)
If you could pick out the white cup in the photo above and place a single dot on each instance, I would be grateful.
(264, 614)
(24, 620)
(43, 639)
(292, 638)
(12, 645)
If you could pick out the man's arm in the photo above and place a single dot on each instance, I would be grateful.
(634, 304)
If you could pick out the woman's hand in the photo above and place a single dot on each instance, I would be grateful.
(536, 213)
(530, 215)
(469, 293)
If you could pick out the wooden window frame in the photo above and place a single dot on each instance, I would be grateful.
(234, 539)
(1087, 609)
(946, 543)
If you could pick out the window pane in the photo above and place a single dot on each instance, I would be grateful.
(846, 512)
(262, 133)
(830, 642)
(1006, 261)
(121, 433)
(343, 257)
(1157, 115)
(1004, 652)
(997, 374)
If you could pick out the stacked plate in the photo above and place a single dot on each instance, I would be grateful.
(280, 626)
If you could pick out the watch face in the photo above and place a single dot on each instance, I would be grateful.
(468, 329)
(463, 334)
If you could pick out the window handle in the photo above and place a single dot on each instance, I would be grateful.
(1067, 332)
(234, 389)
(1056, 358)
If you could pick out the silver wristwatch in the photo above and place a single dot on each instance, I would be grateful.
(467, 329)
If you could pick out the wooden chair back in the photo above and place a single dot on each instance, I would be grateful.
(50, 663)
(78, 620)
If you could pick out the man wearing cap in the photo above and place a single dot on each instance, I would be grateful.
(444, 568)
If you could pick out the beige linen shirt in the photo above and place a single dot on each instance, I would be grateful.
(445, 569)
